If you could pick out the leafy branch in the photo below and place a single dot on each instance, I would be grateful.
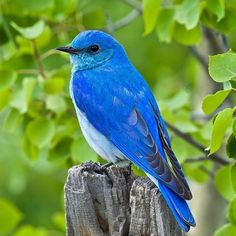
(123, 22)
(217, 43)
(197, 145)
(38, 60)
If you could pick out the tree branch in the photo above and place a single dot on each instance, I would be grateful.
(135, 4)
(123, 22)
(208, 172)
(197, 145)
(48, 54)
(215, 41)
(198, 159)
(37, 59)
(203, 61)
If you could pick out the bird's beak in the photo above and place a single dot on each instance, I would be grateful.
(68, 49)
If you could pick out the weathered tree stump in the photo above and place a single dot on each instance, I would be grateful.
(115, 202)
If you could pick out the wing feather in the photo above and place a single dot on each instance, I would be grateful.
(140, 147)
(167, 146)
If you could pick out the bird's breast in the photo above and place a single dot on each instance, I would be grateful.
(97, 141)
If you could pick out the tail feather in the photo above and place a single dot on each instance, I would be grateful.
(177, 205)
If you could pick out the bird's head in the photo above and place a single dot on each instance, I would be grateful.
(91, 49)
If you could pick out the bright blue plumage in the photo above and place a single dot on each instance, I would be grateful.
(115, 104)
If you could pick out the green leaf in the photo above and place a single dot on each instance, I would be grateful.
(40, 132)
(188, 13)
(227, 85)
(61, 151)
(4, 95)
(31, 150)
(28, 230)
(81, 152)
(65, 130)
(18, 101)
(186, 126)
(181, 149)
(8, 77)
(21, 8)
(56, 103)
(62, 9)
(54, 86)
(220, 125)
(10, 216)
(231, 146)
(233, 176)
(226, 230)
(217, 7)
(226, 25)
(222, 67)
(212, 101)
(13, 120)
(165, 25)
(179, 100)
(232, 211)
(194, 171)
(23, 46)
(31, 32)
(28, 88)
(167, 113)
(98, 14)
(187, 37)
(224, 184)
(22, 97)
(35, 108)
(151, 9)
(205, 130)
(7, 50)
(44, 38)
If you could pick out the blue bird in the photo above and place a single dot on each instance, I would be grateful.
(120, 118)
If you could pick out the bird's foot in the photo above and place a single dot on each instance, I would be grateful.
(123, 163)
(105, 166)
(104, 170)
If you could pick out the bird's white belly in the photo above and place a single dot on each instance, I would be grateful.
(101, 145)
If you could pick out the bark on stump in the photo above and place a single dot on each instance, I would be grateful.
(115, 202)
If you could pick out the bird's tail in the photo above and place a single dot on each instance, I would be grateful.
(177, 205)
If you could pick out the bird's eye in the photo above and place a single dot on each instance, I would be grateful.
(94, 48)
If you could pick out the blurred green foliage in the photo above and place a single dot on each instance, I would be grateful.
(39, 134)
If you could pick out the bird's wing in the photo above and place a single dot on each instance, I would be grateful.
(165, 140)
(138, 144)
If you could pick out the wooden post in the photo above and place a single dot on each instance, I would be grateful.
(116, 203)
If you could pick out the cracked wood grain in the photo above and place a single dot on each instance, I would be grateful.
(115, 202)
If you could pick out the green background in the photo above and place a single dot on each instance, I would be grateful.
(169, 42)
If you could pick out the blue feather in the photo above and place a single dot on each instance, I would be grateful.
(178, 206)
